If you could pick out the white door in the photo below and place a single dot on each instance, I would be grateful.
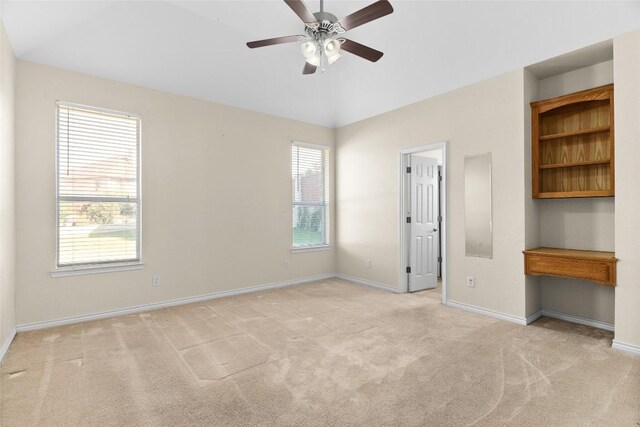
(423, 249)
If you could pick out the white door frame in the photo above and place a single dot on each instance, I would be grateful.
(404, 230)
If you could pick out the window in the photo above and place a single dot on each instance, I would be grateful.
(98, 186)
(310, 176)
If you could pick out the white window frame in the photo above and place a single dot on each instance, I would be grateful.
(103, 266)
(326, 194)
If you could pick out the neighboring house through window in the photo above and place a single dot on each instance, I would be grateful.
(310, 176)
(98, 186)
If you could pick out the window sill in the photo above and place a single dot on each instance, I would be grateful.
(311, 249)
(95, 269)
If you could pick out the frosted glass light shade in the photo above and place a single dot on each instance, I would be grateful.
(309, 49)
(332, 50)
(333, 58)
(332, 46)
(321, 53)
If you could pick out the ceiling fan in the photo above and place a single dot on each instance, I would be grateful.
(322, 42)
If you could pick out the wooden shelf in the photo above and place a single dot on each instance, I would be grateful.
(574, 164)
(558, 150)
(599, 129)
(597, 266)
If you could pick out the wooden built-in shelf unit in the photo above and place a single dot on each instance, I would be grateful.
(572, 156)
(599, 267)
(572, 145)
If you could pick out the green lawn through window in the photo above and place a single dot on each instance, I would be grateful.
(306, 237)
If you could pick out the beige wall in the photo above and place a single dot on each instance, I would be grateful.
(7, 187)
(573, 81)
(577, 223)
(485, 117)
(626, 53)
(531, 207)
(216, 191)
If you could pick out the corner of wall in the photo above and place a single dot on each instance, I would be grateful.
(334, 209)
(533, 295)
(7, 192)
(627, 202)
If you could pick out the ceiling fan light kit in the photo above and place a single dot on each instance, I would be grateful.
(321, 52)
(322, 44)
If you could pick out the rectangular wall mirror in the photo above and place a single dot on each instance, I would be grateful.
(478, 227)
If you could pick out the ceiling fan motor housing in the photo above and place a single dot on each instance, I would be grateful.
(327, 24)
(325, 16)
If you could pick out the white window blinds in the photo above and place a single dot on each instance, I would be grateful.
(98, 188)
(310, 176)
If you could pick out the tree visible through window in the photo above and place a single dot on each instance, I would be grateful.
(310, 176)
(97, 186)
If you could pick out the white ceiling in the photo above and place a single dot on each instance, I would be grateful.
(197, 48)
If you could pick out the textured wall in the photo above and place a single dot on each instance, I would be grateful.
(216, 197)
(7, 188)
(626, 53)
(578, 223)
(485, 117)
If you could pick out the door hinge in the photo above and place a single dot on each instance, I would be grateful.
(408, 220)
(439, 259)
(408, 169)
(439, 177)
(439, 218)
(409, 270)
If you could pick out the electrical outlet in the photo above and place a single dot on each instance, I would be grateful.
(285, 263)
(471, 281)
(155, 281)
(368, 263)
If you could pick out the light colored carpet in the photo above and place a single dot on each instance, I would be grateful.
(326, 353)
(435, 292)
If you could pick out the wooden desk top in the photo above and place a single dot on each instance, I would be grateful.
(573, 253)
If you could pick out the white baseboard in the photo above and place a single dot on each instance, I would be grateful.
(486, 312)
(569, 318)
(629, 348)
(577, 319)
(153, 306)
(7, 343)
(533, 317)
(369, 283)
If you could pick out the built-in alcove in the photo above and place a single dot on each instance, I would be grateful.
(573, 223)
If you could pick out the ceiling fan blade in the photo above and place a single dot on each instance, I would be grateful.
(361, 50)
(275, 40)
(370, 13)
(308, 68)
(301, 10)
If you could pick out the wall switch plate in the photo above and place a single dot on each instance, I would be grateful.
(285, 263)
(471, 281)
(155, 281)
(368, 263)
